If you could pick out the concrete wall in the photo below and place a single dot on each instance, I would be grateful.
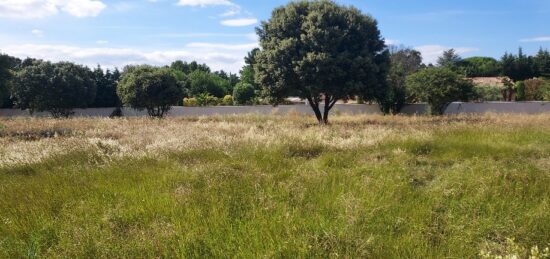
(454, 108)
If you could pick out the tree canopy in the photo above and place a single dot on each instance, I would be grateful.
(439, 87)
(404, 62)
(54, 87)
(320, 50)
(151, 88)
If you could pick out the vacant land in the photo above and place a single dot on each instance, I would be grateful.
(271, 186)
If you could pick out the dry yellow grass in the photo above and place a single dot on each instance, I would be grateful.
(275, 186)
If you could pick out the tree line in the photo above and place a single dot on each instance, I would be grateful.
(320, 51)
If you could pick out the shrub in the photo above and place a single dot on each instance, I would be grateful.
(227, 100)
(488, 93)
(207, 100)
(439, 87)
(536, 90)
(243, 93)
(520, 91)
(190, 102)
(151, 88)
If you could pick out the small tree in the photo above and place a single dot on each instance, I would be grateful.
(403, 63)
(439, 87)
(322, 52)
(151, 88)
(57, 88)
(243, 93)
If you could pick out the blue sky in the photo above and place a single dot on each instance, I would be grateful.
(220, 32)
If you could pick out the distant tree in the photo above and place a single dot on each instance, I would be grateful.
(188, 68)
(450, 59)
(542, 63)
(248, 74)
(404, 62)
(57, 88)
(106, 83)
(518, 68)
(202, 82)
(5, 77)
(520, 91)
(321, 51)
(480, 67)
(8, 66)
(243, 93)
(151, 88)
(439, 87)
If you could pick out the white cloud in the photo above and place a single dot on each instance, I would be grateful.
(204, 3)
(101, 42)
(218, 56)
(239, 22)
(430, 53)
(537, 39)
(391, 42)
(28, 9)
(37, 33)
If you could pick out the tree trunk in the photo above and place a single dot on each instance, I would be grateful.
(315, 106)
(330, 101)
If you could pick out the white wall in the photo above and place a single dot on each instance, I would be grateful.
(454, 108)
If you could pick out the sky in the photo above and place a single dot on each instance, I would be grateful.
(115, 33)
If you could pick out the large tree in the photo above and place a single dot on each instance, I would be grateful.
(54, 87)
(202, 82)
(151, 88)
(321, 51)
(450, 59)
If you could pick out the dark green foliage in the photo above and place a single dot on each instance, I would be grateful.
(188, 68)
(439, 87)
(201, 82)
(480, 67)
(320, 50)
(248, 74)
(243, 93)
(450, 59)
(520, 91)
(542, 63)
(151, 88)
(403, 63)
(518, 68)
(57, 88)
(8, 66)
(106, 83)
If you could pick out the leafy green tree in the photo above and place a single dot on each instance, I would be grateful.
(243, 93)
(450, 59)
(202, 82)
(320, 50)
(439, 87)
(542, 63)
(518, 68)
(480, 67)
(57, 88)
(8, 66)
(106, 83)
(247, 73)
(151, 88)
(404, 62)
(188, 68)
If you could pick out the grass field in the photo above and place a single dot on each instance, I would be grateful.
(273, 186)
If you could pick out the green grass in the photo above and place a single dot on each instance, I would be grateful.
(443, 196)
